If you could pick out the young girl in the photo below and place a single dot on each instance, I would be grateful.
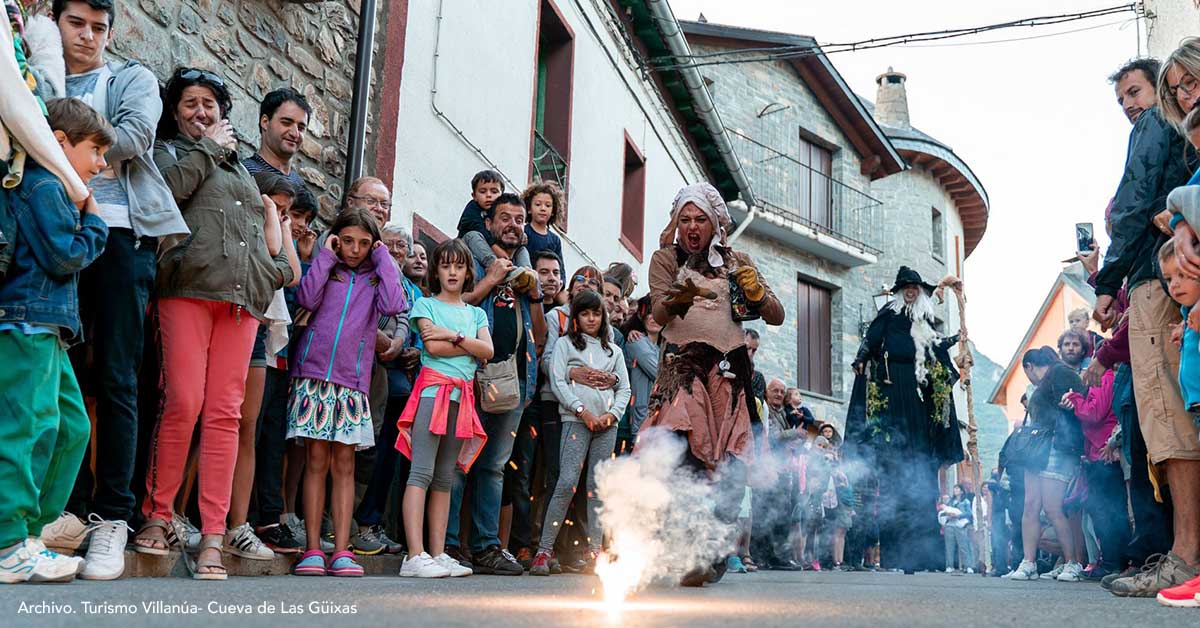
(543, 204)
(439, 425)
(589, 419)
(352, 282)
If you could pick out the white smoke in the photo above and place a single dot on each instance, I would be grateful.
(659, 515)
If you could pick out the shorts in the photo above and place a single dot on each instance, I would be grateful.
(258, 355)
(1168, 429)
(1060, 466)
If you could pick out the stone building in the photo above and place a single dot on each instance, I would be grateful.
(846, 192)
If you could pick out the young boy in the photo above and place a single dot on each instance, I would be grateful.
(45, 426)
(486, 185)
(1185, 292)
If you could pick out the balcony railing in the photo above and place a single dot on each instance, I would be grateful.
(548, 164)
(787, 186)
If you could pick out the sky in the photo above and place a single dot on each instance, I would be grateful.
(1036, 120)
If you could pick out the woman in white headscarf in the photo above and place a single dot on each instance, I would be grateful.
(701, 290)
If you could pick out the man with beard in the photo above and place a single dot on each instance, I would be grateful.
(282, 120)
(515, 317)
(1072, 349)
(773, 507)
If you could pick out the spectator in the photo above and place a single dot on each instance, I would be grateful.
(372, 195)
(800, 417)
(207, 328)
(625, 277)
(282, 120)
(641, 360)
(778, 514)
(1072, 349)
(486, 187)
(957, 519)
(135, 204)
(545, 202)
(614, 304)
(416, 269)
(758, 382)
(1000, 532)
(1156, 164)
(1078, 321)
(306, 239)
(514, 309)
(45, 430)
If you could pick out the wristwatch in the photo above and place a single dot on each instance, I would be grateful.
(458, 339)
(578, 410)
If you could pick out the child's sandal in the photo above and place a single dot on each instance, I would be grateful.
(343, 564)
(207, 568)
(159, 534)
(311, 563)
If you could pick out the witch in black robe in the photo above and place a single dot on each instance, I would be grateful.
(901, 425)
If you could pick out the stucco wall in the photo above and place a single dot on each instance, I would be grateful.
(1173, 20)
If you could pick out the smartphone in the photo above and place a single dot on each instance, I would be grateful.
(1084, 236)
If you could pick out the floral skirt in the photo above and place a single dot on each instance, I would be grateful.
(326, 411)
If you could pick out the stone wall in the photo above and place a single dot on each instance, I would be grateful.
(257, 46)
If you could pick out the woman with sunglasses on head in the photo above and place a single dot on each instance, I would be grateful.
(213, 288)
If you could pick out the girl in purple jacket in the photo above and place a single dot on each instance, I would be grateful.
(352, 283)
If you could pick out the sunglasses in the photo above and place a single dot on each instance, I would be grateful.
(194, 74)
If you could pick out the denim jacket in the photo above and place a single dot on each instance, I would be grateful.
(50, 245)
(529, 377)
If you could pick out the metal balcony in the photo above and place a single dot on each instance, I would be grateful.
(548, 164)
(807, 208)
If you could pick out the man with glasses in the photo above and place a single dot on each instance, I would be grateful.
(282, 120)
(135, 203)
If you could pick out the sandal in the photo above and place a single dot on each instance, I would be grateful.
(208, 543)
(311, 563)
(157, 532)
(343, 564)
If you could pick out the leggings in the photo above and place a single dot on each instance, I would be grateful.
(576, 444)
(433, 455)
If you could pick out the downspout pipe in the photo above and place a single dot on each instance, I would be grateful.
(363, 53)
(677, 44)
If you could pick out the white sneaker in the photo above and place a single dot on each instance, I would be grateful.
(1054, 573)
(1025, 571)
(66, 535)
(187, 533)
(456, 569)
(1072, 572)
(422, 566)
(17, 563)
(52, 566)
(970, 571)
(242, 541)
(949, 570)
(106, 550)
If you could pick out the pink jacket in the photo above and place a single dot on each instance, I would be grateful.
(467, 426)
(1096, 415)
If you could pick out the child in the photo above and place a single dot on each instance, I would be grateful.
(45, 429)
(544, 201)
(439, 425)
(352, 282)
(1185, 292)
(589, 419)
(486, 185)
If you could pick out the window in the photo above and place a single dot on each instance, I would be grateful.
(551, 141)
(427, 234)
(816, 183)
(633, 199)
(939, 236)
(813, 338)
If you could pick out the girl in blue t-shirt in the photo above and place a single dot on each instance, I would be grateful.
(439, 425)
(543, 204)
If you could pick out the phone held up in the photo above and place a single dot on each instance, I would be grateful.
(1084, 236)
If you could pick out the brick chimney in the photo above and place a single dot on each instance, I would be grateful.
(891, 100)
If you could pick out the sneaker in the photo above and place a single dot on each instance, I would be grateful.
(949, 570)
(1027, 570)
(453, 566)
(816, 565)
(1053, 574)
(106, 549)
(66, 535)
(525, 557)
(1169, 571)
(424, 566)
(1072, 572)
(389, 546)
(52, 566)
(17, 563)
(280, 538)
(241, 541)
(497, 562)
(456, 553)
(733, 564)
(295, 525)
(187, 533)
(1106, 581)
(555, 566)
(969, 571)
(541, 564)
(1186, 595)
(367, 542)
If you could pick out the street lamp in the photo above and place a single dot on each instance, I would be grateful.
(879, 300)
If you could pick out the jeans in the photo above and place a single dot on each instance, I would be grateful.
(374, 502)
(271, 447)
(487, 481)
(958, 542)
(518, 477)
(113, 294)
(1000, 537)
(1106, 505)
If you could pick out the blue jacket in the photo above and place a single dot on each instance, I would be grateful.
(50, 246)
(529, 377)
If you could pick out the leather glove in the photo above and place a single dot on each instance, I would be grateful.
(681, 295)
(748, 279)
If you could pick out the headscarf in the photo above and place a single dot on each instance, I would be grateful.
(706, 197)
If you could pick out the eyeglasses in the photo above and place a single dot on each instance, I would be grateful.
(371, 201)
(396, 246)
(195, 74)
(1187, 84)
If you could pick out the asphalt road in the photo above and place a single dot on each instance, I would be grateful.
(742, 601)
